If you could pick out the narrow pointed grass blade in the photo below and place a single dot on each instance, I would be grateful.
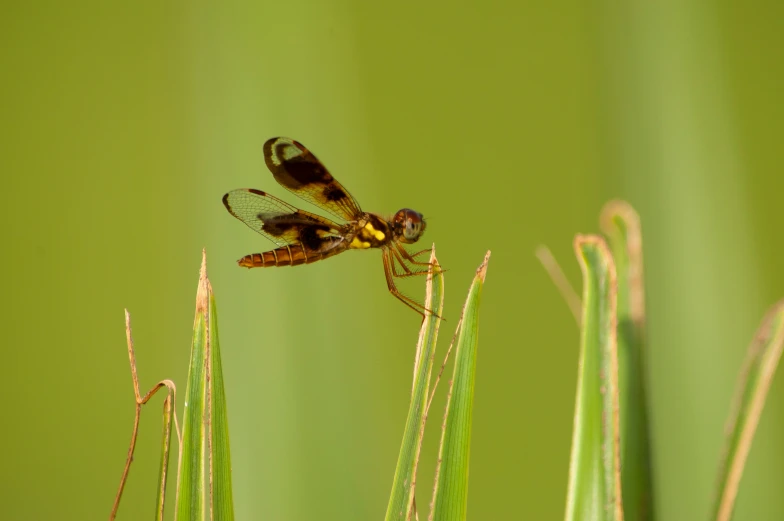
(621, 226)
(450, 495)
(220, 454)
(164, 464)
(205, 422)
(404, 483)
(191, 495)
(594, 490)
(751, 391)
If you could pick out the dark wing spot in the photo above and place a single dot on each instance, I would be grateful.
(303, 172)
(275, 226)
(333, 193)
(310, 238)
(253, 191)
(275, 229)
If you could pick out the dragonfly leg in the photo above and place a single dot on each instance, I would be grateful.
(409, 257)
(413, 304)
(408, 271)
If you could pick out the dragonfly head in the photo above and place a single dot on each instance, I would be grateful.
(409, 225)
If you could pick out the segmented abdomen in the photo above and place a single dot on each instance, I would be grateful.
(291, 255)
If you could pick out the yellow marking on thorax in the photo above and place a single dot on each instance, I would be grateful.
(359, 244)
(378, 234)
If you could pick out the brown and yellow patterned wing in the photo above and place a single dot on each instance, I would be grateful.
(280, 222)
(298, 171)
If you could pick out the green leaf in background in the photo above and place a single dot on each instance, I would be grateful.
(751, 391)
(205, 421)
(594, 490)
(450, 495)
(404, 483)
(621, 225)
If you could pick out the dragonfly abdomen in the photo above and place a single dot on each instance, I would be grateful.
(291, 255)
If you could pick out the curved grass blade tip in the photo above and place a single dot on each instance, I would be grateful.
(620, 224)
(594, 490)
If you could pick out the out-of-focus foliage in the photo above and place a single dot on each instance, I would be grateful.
(506, 125)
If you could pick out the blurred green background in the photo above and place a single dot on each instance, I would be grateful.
(507, 125)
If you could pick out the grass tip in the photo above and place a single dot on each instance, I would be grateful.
(203, 269)
(542, 251)
(618, 208)
(204, 289)
(481, 271)
(597, 241)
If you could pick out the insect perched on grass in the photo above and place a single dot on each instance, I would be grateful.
(303, 237)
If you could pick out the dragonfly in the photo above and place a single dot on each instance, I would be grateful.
(303, 237)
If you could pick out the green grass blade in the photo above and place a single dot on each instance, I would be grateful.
(621, 225)
(403, 485)
(594, 491)
(190, 480)
(754, 382)
(450, 496)
(220, 482)
(168, 413)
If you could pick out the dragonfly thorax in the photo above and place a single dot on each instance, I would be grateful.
(372, 232)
